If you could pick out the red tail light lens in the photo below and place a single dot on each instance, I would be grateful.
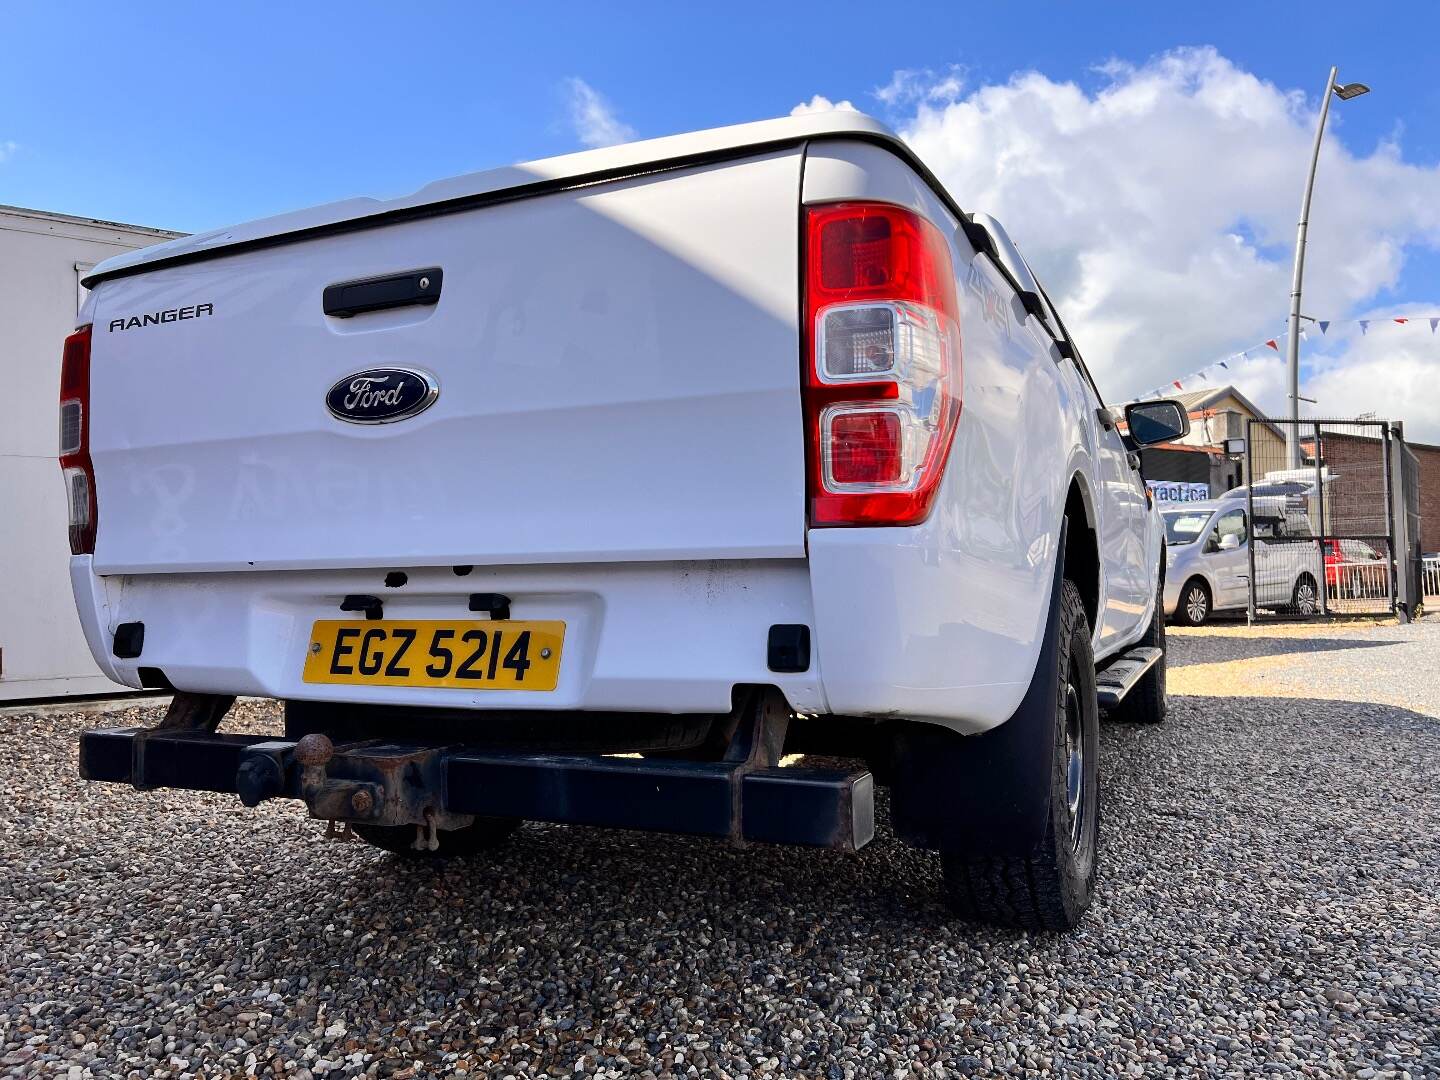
(75, 441)
(883, 372)
(865, 446)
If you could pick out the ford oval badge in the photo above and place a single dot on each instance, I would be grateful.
(381, 395)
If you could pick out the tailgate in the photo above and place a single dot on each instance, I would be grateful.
(618, 379)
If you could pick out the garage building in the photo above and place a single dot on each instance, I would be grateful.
(42, 258)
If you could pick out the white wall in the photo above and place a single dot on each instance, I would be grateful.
(42, 652)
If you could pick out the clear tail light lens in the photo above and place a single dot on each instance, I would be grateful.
(75, 462)
(883, 364)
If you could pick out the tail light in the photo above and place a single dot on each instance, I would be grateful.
(75, 441)
(882, 363)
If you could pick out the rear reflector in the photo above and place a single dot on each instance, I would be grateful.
(863, 447)
(883, 375)
(75, 441)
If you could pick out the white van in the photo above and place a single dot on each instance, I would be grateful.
(1209, 560)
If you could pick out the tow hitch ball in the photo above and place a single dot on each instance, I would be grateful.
(377, 783)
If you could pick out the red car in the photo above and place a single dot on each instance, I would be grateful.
(1354, 568)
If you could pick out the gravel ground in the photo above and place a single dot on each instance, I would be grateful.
(1380, 663)
(1268, 904)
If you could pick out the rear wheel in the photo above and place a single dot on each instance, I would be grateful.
(482, 835)
(1305, 600)
(1194, 606)
(1048, 888)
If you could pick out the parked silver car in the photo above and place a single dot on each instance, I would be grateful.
(1208, 559)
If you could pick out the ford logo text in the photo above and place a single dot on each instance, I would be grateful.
(381, 395)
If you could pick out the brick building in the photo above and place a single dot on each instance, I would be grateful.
(1355, 461)
(1356, 499)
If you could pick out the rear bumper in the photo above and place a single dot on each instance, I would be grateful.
(639, 637)
(901, 627)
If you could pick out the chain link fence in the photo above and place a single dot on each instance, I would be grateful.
(1321, 520)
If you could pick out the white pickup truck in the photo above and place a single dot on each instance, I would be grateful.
(599, 488)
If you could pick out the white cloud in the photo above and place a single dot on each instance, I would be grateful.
(1391, 370)
(910, 85)
(7, 150)
(818, 104)
(594, 118)
(1160, 211)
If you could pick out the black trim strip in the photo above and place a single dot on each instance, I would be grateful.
(524, 191)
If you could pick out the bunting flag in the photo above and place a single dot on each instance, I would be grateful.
(1204, 375)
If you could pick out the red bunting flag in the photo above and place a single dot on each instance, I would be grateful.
(1178, 386)
(1402, 321)
(1272, 344)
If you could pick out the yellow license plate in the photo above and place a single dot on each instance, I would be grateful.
(462, 655)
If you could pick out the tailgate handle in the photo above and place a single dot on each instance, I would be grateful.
(347, 298)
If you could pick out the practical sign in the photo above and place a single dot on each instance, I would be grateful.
(1175, 491)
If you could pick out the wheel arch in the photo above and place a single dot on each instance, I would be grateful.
(1082, 548)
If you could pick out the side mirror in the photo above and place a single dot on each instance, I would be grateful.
(1229, 542)
(1153, 422)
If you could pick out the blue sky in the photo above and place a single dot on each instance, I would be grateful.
(191, 116)
(196, 115)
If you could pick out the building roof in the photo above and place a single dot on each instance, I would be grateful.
(101, 223)
(1199, 400)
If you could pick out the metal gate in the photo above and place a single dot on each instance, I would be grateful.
(1322, 532)
(1411, 582)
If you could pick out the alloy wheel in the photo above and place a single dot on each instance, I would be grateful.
(1305, 599)
(1197, 605)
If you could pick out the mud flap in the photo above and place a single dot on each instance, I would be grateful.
(987, 794)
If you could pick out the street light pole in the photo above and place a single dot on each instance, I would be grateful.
(1292, 431)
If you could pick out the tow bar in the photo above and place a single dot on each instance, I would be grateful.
(744, 797)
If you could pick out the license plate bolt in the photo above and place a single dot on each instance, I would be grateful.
(545, 654)
(315, 647)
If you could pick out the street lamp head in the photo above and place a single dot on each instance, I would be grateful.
(1346, 91)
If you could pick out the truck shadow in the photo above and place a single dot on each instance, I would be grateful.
(1189, 648)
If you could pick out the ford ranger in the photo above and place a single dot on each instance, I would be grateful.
(699, 484)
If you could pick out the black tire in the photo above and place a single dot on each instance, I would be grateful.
(482, 835)
(1050, 887)
(1145, 704)
(1305, 599)
(1195, 605)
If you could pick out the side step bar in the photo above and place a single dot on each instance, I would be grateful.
(1119, 677)
(388, 783)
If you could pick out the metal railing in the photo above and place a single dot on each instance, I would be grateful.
(1430, 578)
